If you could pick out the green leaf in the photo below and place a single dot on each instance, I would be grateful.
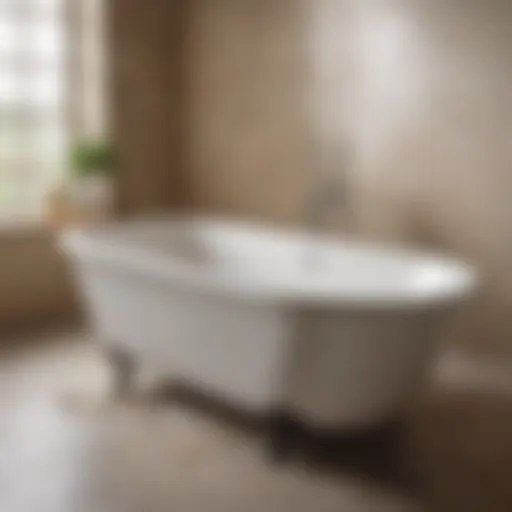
(91, 156)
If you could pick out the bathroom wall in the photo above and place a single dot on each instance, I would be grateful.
(423, 95)
(245, 131)
(144, 87)
(417, 94)
(34, 286)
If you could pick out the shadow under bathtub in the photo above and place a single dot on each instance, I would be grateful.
(379, 455)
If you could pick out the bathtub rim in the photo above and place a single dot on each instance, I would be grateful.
(90, 245)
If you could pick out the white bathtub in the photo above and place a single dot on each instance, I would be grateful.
(340, 333)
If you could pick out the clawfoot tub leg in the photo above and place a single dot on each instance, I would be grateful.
(124, 366)
(285, 437)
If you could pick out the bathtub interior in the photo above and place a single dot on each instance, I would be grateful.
(292, 263)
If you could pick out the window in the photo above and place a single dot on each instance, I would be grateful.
(32, 113)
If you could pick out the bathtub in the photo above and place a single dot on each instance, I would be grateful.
(340, 333)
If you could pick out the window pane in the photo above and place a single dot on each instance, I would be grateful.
(8, 6)
(10, 188)
(9, 35)
(46, 6)
(9, 90)
(31, 90)
(49, 142)
(11, 144)
(31, 6)
(43, 39)
(23, 184)
(43, 90)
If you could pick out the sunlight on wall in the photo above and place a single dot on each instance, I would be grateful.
(391, 96)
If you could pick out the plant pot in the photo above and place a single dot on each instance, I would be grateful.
(92, 197)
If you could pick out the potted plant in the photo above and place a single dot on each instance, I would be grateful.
(91, 183)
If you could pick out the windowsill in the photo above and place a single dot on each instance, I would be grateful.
(23, 228)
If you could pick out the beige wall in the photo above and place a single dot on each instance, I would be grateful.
(245, 131)
(424, 97)
(418, 91)
(35, 289)
(145, 92)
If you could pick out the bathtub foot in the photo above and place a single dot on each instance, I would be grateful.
(285, 438)
(123, 365)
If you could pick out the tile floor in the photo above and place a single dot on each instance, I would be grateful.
(63, 448)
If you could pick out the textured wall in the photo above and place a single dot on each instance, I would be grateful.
(422, 93)
(34, 285)
(145, 81)
(418, 91)
(245, 135)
